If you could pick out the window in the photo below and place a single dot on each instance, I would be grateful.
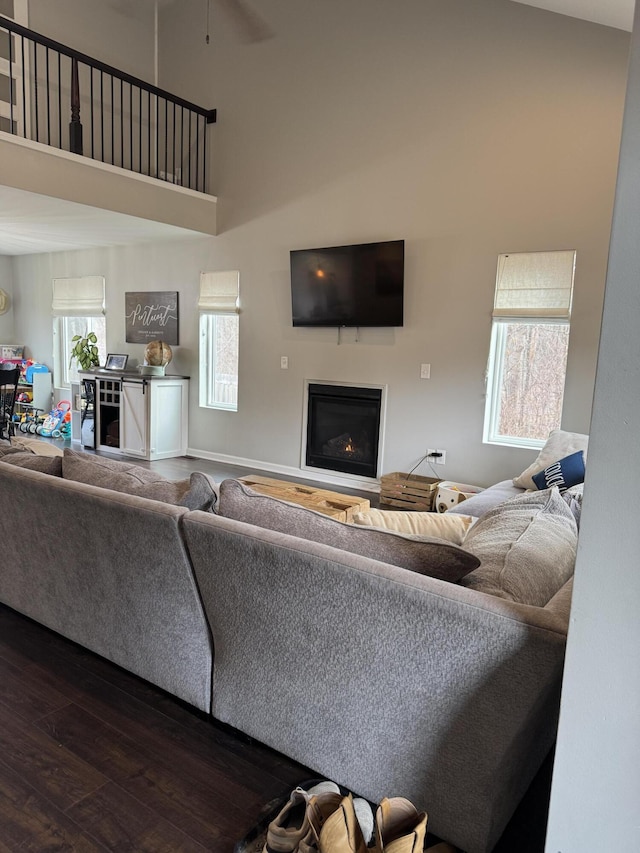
(78, 308)
(64, 328)
(219, 340)
(529, 345)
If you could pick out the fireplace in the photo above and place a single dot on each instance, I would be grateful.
(343, 428)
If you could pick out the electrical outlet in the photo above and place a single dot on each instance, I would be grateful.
(425, 371)
(284, 362)
(437, 456)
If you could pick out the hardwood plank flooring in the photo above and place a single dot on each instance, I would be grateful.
(109, 762)
(180, 467)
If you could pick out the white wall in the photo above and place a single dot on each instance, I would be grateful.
(118, 32)
(467, 129)
(6, 284)
(596, 781)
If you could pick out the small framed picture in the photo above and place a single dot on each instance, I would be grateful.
(116, 362)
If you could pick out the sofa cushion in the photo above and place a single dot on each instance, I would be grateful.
(573, 499)
(428, 556)
(202, 493)
(103, 472)
(195, 492)
(453, 528)
(527, 548)
(6, 449)
(478, 505)
(36, 445)
(25, 459)
(559, 444)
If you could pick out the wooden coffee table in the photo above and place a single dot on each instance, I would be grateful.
(340, 507)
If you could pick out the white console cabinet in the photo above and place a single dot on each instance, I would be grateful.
(153, 418)
(134, 415)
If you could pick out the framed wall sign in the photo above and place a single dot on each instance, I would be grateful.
(151, 316)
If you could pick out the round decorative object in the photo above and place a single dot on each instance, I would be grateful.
(157, 354)
(4, 301)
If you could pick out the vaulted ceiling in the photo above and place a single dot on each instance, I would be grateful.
(31, 223)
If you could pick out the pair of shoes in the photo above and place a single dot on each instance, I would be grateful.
(334, 825)
(400, 827)
(320, 819)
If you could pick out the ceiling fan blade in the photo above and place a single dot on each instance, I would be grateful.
(249, 25)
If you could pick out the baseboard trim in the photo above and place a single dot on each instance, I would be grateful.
(331, 478)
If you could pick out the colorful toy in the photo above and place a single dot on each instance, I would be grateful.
(55, 419)
(29, 421)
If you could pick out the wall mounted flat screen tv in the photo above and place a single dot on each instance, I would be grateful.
(361, 285)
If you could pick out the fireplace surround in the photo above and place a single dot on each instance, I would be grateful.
(343, 428)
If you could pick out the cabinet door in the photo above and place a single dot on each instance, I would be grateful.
(134, 418)
(168, 418)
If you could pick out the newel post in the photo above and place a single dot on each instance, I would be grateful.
(75, 126)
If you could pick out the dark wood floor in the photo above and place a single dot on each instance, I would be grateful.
(181, 466)
(93, 758)
(176, 469)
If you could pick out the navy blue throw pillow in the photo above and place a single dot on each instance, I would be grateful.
(565, 473)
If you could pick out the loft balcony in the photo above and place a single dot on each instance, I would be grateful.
(96, 147)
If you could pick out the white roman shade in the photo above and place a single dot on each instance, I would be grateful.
(78, 297)
(219, 292)
(534, 284)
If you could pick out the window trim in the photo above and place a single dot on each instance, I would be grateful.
(208, 333)
(495, 366)
(62, 353)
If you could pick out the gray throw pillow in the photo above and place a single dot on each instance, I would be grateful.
(195, 492)
(25, 459)
(202, 494)
(198, 491)
(425, 555)
(527, 548)
(6, 449)
(99, 471)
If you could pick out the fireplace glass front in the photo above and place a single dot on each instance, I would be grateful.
(343, 428)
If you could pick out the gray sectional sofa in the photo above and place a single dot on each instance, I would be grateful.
(379, 676)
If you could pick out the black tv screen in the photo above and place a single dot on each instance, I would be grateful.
(360, 285)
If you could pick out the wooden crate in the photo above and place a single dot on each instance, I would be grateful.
(404, 491)
(336, 505)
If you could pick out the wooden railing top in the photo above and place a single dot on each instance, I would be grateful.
(45, 41)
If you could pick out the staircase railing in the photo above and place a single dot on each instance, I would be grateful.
(112, 116)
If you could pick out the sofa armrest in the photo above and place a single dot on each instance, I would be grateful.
(390, 682)
(109, 571)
